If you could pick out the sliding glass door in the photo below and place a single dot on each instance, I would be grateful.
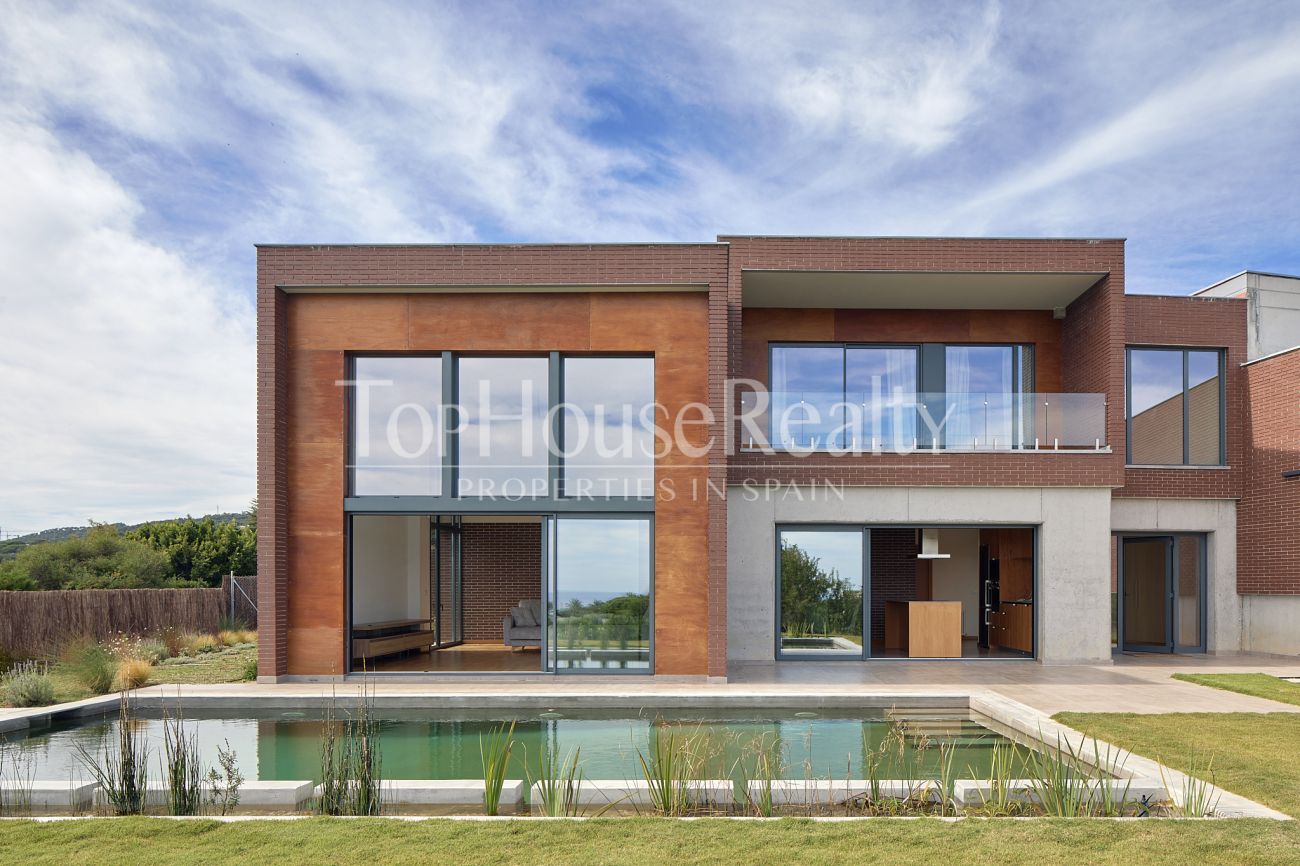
(599, 577)
(1162, 593)
(820, 598)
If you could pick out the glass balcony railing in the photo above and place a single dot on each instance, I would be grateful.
(903, 422)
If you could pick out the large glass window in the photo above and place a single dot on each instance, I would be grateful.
(503, 438)
(1175, 407)
(608, 426)
(844, 397)
(397, 427)
(820, 577)
(983, 386)
(601, 595)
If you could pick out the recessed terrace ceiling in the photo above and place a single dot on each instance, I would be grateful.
(913, 290)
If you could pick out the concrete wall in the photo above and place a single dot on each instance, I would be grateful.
(1073, 609)
(1218, 518)
(958, 578)
(1269, 624)
(390, 568)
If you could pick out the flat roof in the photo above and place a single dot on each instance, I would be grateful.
(905, 290)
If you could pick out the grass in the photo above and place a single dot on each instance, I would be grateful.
(648, 840)
(1255, 685)
(1253, 754)
(223, 666)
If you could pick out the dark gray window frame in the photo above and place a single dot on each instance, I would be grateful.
(1034, 529)
(1171, 624)
(449, 501)
(1223, 403)
(931, 372)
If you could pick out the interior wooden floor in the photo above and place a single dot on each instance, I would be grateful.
(477, 658)
(970, 649)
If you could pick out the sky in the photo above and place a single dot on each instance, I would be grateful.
(145, 148)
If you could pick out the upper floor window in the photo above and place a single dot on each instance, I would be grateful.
(485, 426)
(397, 426)
(1175, 407)
(608, 426)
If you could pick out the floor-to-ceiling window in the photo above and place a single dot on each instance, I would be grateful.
(984, 388)
(820, 582)
(502, 435)
(608, 426)
(601, 594)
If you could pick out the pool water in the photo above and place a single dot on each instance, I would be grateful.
(433, 744)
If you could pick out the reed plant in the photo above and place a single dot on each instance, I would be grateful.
(672, 762)
(495, 753)
(17, 776)
(122, 773)
(947, 798)
(1198, 797)
(351, 767)
(182, 770)
(1000, 801)
(557, 781)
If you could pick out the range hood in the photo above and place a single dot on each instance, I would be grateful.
(930, 546)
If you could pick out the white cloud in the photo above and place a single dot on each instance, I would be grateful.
(127, 378)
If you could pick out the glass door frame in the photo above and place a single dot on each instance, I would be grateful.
(864, 533)
(550, 593)
(1170, 539)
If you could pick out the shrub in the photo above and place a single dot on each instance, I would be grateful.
(201, 643)
(248, 635)
(250, 670)
(174, 640)
(91, 665)
(152, 650)
(133, 673)
(28, 684)
(229, 637)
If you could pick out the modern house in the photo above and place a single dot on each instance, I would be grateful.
(680, 459)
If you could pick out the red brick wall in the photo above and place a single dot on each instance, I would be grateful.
(893, 573)
(1092, 339)
(501, 565)
(1218, 323)
(1268, 516)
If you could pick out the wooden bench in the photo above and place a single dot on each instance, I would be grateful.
(372, 640)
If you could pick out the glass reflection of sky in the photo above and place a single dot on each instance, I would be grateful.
(599, 559)
(608, 440)
(503, 435)
(389, 446)
(1156, 376)
(840, 552)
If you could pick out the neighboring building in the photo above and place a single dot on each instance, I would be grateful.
(772, 448)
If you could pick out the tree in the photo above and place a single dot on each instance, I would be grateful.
(202, 550)
(101, 559)
(814, 599)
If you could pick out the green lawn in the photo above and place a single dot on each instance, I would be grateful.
(1256, 685)
(1256, 755)
(638, 842)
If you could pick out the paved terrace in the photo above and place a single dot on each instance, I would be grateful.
(1135, 683)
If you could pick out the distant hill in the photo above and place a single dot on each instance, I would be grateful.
(9, 548)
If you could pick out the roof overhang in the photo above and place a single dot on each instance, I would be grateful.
(473, 289)
(912, 290)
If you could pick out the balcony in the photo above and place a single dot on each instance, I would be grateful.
(877, 423)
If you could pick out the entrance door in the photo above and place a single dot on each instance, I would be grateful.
(1162, 593)
(1146, 578)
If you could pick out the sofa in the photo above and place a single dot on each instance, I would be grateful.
(523, 625)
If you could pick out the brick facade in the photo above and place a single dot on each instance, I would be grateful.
(893, 573)
(501, 564)
(1268, 533)
(316, 303)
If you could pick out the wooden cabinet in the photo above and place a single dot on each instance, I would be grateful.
(1012, 627)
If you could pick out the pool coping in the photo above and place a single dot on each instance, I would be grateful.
(1010, 717)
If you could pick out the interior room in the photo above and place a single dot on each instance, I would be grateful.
(952, 592)
(446, 594)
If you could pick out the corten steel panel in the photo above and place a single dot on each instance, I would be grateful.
(315, 412)
(344, 321)
(673, 326)
(505, 322)
(764, 326)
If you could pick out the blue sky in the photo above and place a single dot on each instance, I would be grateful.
(147, 147)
